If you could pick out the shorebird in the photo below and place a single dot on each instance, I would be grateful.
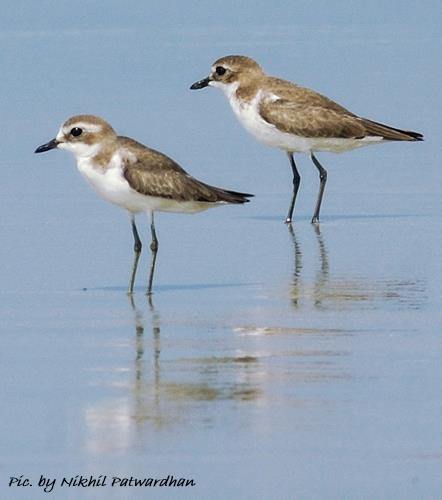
(135, 177)
(295, 119)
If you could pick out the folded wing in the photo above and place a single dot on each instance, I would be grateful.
(319, 121)
(152, 173)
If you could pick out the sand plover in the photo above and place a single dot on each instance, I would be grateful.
(135, 177)
(295, 119)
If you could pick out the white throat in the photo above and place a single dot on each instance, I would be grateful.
(81, 150)
(229, 89)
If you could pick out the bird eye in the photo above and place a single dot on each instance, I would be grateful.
(76, 131)
(220, 70)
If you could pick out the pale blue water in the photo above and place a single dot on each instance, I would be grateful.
(272, 364)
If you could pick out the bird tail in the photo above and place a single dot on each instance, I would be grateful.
(232, 196)
(390, 133)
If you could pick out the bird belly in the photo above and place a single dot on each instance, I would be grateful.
(265, 132)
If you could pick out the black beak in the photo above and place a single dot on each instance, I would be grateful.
(201, 84)
(46, 147)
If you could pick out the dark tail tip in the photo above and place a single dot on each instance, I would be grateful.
(235, 197)
(391, 133)
(415, 135)
(242, 197)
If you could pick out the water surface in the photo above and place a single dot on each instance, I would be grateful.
(296, 363)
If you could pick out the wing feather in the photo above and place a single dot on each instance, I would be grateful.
(302, 111)
(311, 120)
(152, 173)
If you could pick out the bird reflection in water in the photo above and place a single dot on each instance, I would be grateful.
(207, 380)
(153, 395)
(330, 291)
(113, 424)
(139, 387)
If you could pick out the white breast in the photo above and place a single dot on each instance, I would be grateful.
(111, 185)
(248, 114)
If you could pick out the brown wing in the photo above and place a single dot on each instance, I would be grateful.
(154, 174)
(301, 95)
(307, 113)
(311, 120)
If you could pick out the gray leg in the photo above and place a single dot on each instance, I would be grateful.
(154, 248)
(322, 181)
(296, 182)
(137, 253)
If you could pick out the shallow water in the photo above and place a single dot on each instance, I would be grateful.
(272, 362)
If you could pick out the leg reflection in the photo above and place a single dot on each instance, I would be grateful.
(296, 283)
(323, 273)
(317, 289)
(139, 339)
(141, 385)
(319, 286)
